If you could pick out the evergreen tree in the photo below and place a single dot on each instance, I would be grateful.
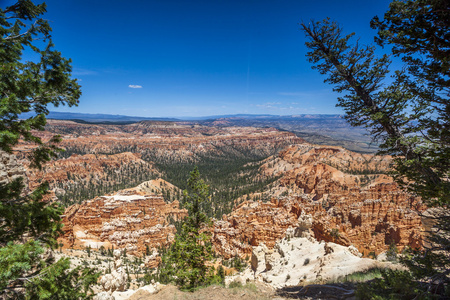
(221, 274)
(408, 114)
(185, 261)
(30, 225)
(418, 32)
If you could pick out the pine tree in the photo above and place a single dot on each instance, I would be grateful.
(30, 225)
(409, 115)
(185, 261)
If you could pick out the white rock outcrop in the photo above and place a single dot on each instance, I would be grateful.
(104, 296)
(116, 281)
(299, 259)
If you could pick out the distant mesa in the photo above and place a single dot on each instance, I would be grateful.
(94, 118)
(319, 129)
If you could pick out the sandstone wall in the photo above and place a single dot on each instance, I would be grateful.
(129, 219)
(348, 195)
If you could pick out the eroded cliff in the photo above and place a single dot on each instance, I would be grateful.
(348, 195)
(134, 219)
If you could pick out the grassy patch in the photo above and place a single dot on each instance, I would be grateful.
(361, 276)
(237, 286)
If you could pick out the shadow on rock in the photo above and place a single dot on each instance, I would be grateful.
(319, 291)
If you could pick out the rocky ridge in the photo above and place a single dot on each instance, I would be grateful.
(299, 259)
(94, 169)
(167, 140)
(348, 195)
(131, 219)
(100, 159)
(367, 210)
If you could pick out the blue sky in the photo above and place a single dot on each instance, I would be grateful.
(195, 58)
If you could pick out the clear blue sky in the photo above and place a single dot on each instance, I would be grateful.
(196, 58)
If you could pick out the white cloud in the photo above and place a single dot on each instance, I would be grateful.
(267, 105)
(274, 105)
(135, 86)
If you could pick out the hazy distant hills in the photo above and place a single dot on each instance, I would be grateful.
(94, 118)
(315, 128)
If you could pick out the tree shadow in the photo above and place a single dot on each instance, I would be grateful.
(319, 291)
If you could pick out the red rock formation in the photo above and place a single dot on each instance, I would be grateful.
(367, 210)
(167, 140)
(127, 152)
(349, 198)
(250, 224)
(131, 219)
(80, 169)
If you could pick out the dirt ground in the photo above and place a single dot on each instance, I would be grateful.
(248, 292)
(252, 292)
(340, 291)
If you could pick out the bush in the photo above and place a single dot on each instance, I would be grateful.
(235, 284)
(238, 264)
(361, 276)
(335, 233)
(394, 284)
(391, 253)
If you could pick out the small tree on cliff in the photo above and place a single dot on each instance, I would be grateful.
(29, 225)
(185, 261)
(409, 115)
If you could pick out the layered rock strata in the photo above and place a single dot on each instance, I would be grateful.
(348, 195)
(351, 198)
(11, 169)
(94, 169)
(132, 219)
(167, 140)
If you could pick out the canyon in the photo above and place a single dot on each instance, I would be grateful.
(99, 159)
(168, 140)
(122, 187)
(349, 196)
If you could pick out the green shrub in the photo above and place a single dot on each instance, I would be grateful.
(391, 253)
(393, 284)
(335, 233)
(235, 284)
